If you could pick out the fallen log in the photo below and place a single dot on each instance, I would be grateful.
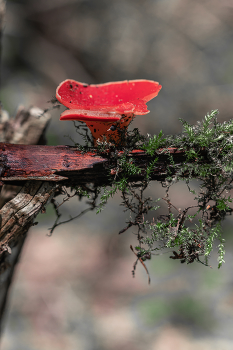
(70, 166)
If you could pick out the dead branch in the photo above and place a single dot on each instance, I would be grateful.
(18, 210)
(70, 166)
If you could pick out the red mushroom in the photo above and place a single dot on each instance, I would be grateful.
(106, 108)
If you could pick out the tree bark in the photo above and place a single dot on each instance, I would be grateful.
(19, 204)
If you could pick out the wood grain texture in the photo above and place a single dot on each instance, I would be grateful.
(20, 212)
(71, 166)
(22, 162)
(19, 205)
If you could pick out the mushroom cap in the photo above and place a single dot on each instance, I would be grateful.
(105, 102)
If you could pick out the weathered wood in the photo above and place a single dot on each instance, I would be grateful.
(69, 165)
(16, 217)
(22, 209)
(35, 162)
(27, 127)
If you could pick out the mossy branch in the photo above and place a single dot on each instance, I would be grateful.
(203, 151)
(208, 148)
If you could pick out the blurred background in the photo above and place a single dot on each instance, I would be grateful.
(75, 290)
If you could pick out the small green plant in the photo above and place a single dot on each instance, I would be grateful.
(191, 233)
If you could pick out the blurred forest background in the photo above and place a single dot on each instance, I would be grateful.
(75, 290)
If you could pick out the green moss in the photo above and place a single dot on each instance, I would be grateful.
(191, 232)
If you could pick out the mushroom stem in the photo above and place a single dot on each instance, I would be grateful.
(109, 131)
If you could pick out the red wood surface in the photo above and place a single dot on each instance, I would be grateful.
(19, 162)
(67, 164)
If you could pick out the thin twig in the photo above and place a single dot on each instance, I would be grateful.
(141, 261)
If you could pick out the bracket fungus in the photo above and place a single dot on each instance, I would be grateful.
(106, 108)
